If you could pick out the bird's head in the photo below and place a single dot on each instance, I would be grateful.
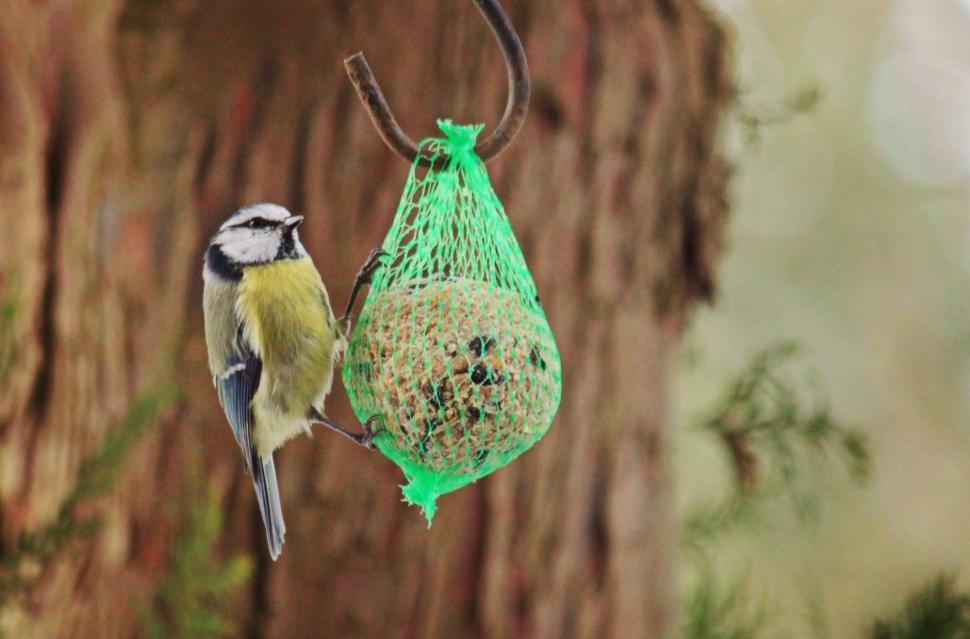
(259, 234)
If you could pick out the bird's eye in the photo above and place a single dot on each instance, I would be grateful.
(257, 223)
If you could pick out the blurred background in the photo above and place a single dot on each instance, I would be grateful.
(849, 234)
(749, 222)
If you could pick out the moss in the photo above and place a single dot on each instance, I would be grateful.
(9, 311)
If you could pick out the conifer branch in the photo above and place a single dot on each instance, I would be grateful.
(936, 611)
(34, 552)
(197, 590)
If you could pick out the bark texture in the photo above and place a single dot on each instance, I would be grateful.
(128, 131)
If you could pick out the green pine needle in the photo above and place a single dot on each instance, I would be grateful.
(716, 612)
(754, 118)
(768, 427)
(705, 525)
(9, 311)
(772, 437)
(936, 611)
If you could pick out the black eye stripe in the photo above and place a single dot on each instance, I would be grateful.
(256, 223)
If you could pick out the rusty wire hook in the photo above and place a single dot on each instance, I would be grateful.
(515, 108)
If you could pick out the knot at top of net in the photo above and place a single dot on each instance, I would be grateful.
(459, 138)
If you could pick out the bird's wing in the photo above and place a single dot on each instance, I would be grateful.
(236, 388)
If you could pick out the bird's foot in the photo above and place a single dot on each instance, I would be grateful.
(364, 276)
(370, 266)
(365, 439)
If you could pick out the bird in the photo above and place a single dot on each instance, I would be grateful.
(272, 342)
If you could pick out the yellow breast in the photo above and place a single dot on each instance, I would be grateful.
(287, 320)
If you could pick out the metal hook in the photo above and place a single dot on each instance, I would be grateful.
(515, 108)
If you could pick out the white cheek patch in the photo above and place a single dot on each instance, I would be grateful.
(299, 246)
(249, 246)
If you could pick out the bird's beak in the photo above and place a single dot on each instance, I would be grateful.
(293, 221)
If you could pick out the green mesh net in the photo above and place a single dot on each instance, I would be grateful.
(452, 348)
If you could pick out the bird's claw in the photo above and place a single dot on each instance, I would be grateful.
(367, 440)
(363, 277)
(371, 265)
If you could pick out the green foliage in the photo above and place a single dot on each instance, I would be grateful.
(936, 611)
(753, 118)
(705, 524)
(814, 615)
(34, 552)
(770, 433)
(197, 590)
(717, 612)
(99, 472)
(767, 428)
(9, 310)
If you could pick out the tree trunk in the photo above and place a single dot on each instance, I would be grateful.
(129, 131)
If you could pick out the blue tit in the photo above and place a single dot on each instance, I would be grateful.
(272, 341)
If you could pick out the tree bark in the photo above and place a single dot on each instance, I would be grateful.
(129, 131)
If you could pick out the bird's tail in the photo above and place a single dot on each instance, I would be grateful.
(268, 496)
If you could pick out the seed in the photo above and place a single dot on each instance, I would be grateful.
(480, 458)
(475, 346)
(481, 345)
(459, 368)
(480, 374)
(536, 359)
(435, 394)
